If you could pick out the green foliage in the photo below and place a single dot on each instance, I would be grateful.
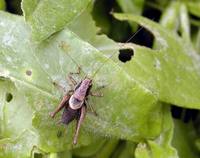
(2, 5)
(53, 38)
(49, 16)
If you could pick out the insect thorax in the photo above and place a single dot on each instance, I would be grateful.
(82, 89)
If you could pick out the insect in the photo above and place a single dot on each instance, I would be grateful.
(75, 101)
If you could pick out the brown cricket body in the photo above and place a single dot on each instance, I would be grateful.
(80, 94)
(74, 104)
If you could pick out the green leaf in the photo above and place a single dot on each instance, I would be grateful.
(169, 16)
(34, 69)
(171, 71)
(90, 34)
(161, 146)
(194, 8)
(197, 42)
(128, 150)
(17, 136)
(107, 149)
(169, 19)
(184, 22)
(2, 5)
(101, 16)
(133, 7)
(184, 139)
(91, 149)
(49, 16)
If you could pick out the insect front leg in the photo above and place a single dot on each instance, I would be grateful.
(79, 122)
(61, 105)
(96, 94)
(59, 86)
(71, 79)
(78, 72)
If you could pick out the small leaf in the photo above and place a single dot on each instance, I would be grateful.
(169, 16)
(49, 16)
(194, 8)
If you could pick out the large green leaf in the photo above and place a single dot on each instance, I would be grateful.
(127, 110)
(49, 16)
(161, 70)
(171, 71)
(161, 146)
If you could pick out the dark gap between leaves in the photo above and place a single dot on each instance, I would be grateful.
(118, 149)
(187, 116)
(9, 97)
(120, 31)
(191, 16)
(38, 155)
(59, 134)
(184, 114)
(143, 37)
(176, 112)
(14, 6)
(151, 13)
(125, 55)
(179, 32)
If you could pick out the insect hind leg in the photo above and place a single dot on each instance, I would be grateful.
(60, 106)
(78, 125)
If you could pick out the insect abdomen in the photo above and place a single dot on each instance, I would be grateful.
(69, 115)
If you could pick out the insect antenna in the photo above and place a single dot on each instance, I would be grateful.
(98, 69)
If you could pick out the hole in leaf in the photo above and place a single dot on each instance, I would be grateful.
(125, 55)
(28, 72)
(14, 6)
(9, 97)
(143, 37)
